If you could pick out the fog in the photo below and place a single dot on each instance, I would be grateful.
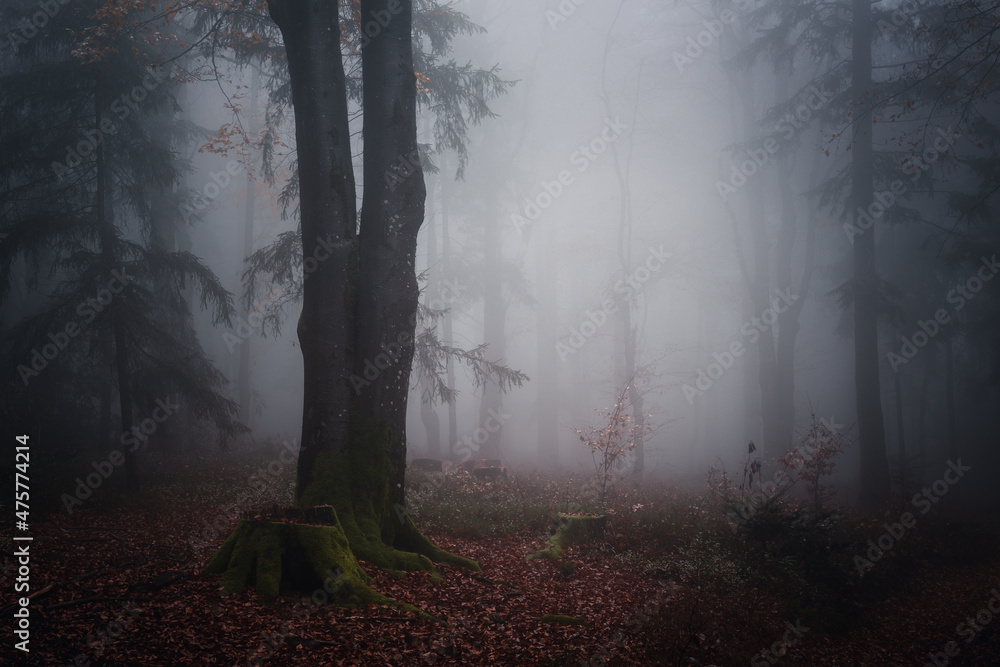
(654, 195)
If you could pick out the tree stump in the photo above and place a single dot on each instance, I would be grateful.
(277, 558)
(572, 529)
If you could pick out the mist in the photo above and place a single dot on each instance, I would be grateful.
(489, 269)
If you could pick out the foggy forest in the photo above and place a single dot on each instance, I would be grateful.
(500, 332)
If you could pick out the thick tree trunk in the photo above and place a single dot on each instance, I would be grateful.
(359, 305)
(428, 415)
(386, 307)
(868, 387)
(391, 214)
(311, 32)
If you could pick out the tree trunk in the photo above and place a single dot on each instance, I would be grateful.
(249, 206)
(447, 329)
(386, 307)
(494, 329)
(922, 414)
(311, 32)
(897, 390)
(108, 240)
(428, 415)
(359, 307)
(868, 388)
(547, 402)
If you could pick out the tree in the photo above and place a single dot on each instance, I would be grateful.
(85, 209)
(867, 381)
(820, 32)
(360, 302)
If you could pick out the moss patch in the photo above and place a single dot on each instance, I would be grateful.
(573, 529)
(278, 558)
(353, 486)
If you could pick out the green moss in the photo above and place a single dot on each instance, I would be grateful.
(560, 618)
(578, 529)
(573, 529)
(355, 482)
(551, 552)
(276, 557)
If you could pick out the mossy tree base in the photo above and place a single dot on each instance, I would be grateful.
(572, 529)
(347, 510)
(279, 558)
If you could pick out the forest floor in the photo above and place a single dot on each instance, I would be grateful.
(120, 582)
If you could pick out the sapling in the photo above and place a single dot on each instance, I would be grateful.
(614, 439)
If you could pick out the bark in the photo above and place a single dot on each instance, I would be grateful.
(325, 330)
(359, 304)
(391, 214)
(874, 476)
(428, 415)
